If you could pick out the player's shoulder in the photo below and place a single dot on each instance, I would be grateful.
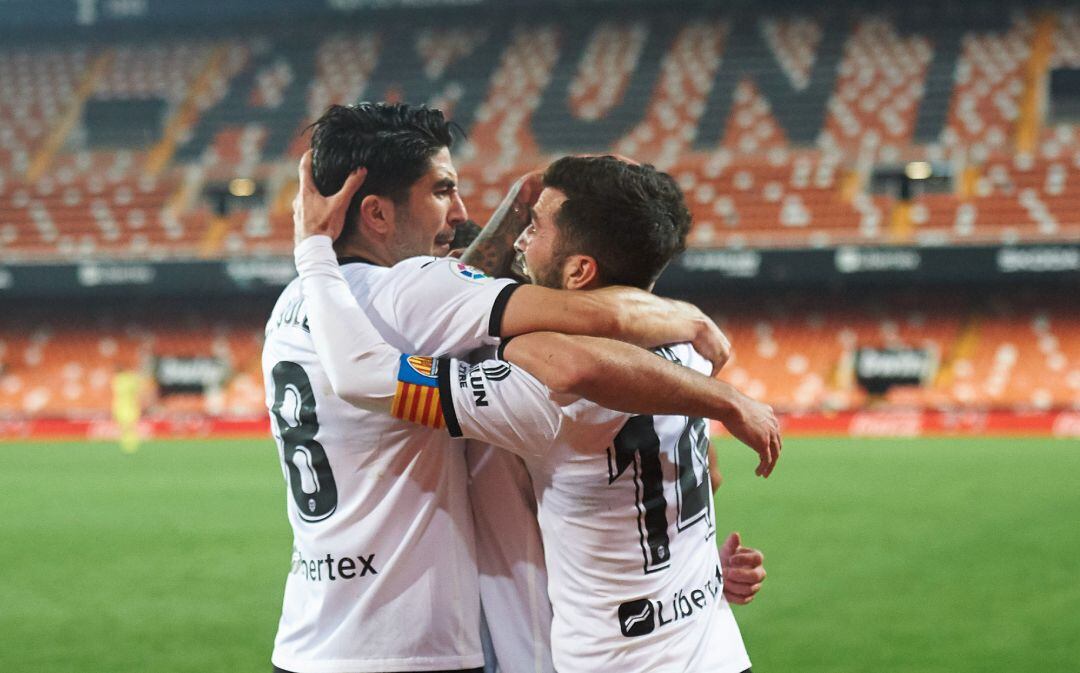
(290, 294)
(288, 313)
(362, 272)
(439, 269)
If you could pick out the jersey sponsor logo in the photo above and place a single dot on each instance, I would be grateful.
(322, 569)
(417, 398)
(636, 618)
(476, 385)
(476, 376)
(645, 615)
(469, 273)
(497, 371)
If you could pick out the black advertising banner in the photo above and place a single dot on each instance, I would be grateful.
(878, 369)
(694, 271)
(147, 279)
(189, 375)
(702, 269)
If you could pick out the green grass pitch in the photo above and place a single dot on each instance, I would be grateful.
(931, 555)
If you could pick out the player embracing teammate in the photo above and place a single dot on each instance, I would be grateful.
(623, 499)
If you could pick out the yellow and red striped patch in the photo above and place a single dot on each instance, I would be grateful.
(417, 398)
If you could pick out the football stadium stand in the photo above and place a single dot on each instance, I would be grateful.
(774, 124)
(788, 130)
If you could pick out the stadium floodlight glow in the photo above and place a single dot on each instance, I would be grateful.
(918, 170)
(241, 187)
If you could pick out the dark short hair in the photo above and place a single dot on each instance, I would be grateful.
(395, 142)
(632, 219)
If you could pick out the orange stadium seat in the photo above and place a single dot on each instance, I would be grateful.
(1014, 350)
(759, 189)
(230, 101)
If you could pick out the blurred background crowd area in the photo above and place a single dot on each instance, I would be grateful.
(886, 197)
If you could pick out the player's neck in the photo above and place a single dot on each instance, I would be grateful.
(593, 284)
(375, 254)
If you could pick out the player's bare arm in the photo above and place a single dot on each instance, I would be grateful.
(716, 478)
(621, 313)
(493, 250)
(628, 379)
(613, 374)
(639, 317)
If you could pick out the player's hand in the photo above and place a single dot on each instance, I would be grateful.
(528, 189)
(649, 321)
(755, 425)
(744, 570)
(315, 214)
(707, 338)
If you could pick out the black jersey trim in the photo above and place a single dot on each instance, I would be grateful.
(446, 398)
(499, 352)
(499, 308)
(342, 261)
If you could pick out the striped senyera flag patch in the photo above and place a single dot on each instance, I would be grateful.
(417, 397)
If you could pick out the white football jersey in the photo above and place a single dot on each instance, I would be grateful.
(627, 517)
(384, 574)
(510, 555)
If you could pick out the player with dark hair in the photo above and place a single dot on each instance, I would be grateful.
(624, 500)
(604, 198)
(398, 145)
(373, 500)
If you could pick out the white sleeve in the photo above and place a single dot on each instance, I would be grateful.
(498, 403)
(510, 557)
(361, 367)
(445, 307)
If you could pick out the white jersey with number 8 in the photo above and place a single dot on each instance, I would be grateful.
(383, 574)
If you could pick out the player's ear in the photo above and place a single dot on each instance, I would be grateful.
(580, 272)
(377, 215)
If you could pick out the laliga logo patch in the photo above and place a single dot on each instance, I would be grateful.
(469, 273)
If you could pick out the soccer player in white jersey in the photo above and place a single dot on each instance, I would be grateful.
(624, 501)
(383, 573)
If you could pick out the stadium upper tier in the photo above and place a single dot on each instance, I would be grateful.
(774, 125)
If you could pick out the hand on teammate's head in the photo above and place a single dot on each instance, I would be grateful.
(315, 214)
(531, 186)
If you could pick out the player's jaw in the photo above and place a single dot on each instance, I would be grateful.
(538, 247)
(423, 229)
(539, 264)
(546, 274)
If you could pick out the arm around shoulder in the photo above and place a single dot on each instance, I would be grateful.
(621, 313)
(358, 363)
